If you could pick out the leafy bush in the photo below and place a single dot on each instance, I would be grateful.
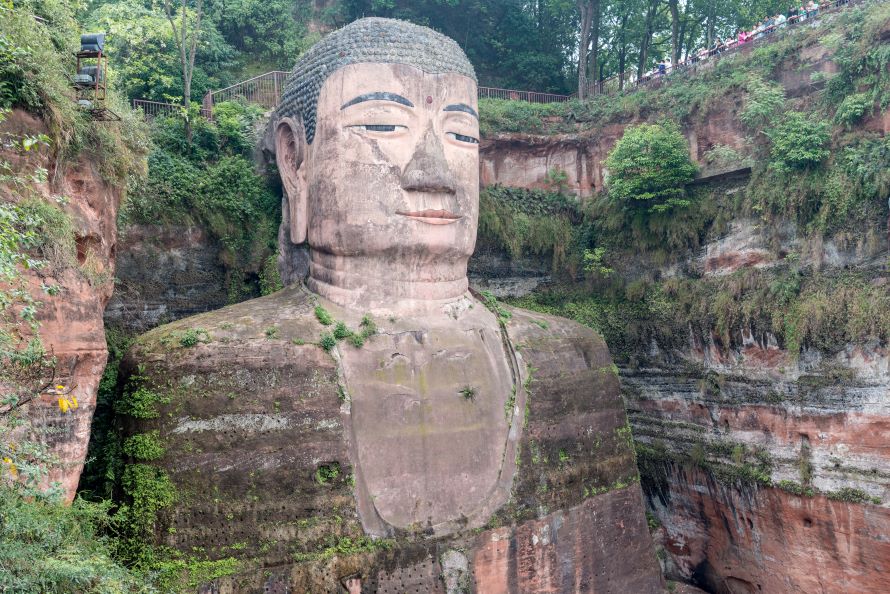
(649, 168)
(212, 182)
(763, 103)
(852, 108)
(798, 142)
(144, 446)
(47, 546)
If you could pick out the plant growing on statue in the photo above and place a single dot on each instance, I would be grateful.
(341, 331)
(327, 341)
(322, 315)
(468, 392)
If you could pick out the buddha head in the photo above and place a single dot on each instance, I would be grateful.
(376, 140)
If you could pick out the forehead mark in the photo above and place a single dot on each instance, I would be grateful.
(378, 96)
(462, 107)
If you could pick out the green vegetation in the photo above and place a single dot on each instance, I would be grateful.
(212, 182)
(798, 142)
(139, 400)
(344, 547)
(48, 546)
(323, 316)
(327, 341)
(649, 169)
(853, 495)
(795, 488)
(468, 392)
(802, 309)
(327, 473)
(753, 468)
(144, 446)
(491, 302)
(531, 222)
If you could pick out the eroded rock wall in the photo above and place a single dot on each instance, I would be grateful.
(165, 273)
(71, 322)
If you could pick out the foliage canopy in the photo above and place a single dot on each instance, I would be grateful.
(650, 167)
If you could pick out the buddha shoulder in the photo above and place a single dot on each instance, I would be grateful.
(559, 344)
(249, 328)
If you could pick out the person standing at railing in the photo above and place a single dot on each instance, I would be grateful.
(812, 10)
(780, 21)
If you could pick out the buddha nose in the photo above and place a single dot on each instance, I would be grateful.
(428, 170)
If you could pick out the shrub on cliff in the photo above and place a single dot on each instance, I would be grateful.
(47, 546)
(649, 169)
(798, 142)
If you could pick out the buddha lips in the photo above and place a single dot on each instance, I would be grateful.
(431, 217)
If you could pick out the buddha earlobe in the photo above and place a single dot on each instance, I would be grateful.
(290, 154)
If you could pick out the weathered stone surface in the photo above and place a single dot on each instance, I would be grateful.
(254, 417)
(165, 273)
(71, 322)
(767, 540)
(820, 423)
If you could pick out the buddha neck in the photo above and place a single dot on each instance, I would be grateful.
(388, 283)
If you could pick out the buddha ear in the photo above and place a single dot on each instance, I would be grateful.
(290, 156)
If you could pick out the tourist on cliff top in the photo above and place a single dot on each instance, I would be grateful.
(780, 21)
(662, 68)
(742, 36)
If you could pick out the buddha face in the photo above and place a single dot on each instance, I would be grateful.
(392, 171)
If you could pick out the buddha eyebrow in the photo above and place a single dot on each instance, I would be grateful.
(462, 107)
(379, 96)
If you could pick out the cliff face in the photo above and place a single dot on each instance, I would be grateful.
(763, 455)
(71, 322)
(165, 273)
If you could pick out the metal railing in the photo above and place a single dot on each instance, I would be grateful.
(514, 95)
(656, 77)
(153, 109)
(264, 90)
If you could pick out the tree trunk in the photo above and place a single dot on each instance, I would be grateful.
(595, 45)
(187, 43)
(674, 7)
(712, 24)
(586, 10)
(647, 39)
(622, 51)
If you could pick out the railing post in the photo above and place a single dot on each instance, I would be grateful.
(207, 105)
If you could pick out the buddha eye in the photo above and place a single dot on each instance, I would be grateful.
(380, 127)
(463, 138)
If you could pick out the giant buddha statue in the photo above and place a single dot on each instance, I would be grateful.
(380, 425)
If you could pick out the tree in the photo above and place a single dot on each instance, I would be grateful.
(649, 168)
(186, 37)
(588, 13)
(144, 57)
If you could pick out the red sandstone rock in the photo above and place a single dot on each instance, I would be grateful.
(767, 540)
(71, 322)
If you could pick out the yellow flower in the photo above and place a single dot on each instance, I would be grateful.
(73, 401)
(63, 405)
(60, 387)
(12, 469)
(8, 460)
